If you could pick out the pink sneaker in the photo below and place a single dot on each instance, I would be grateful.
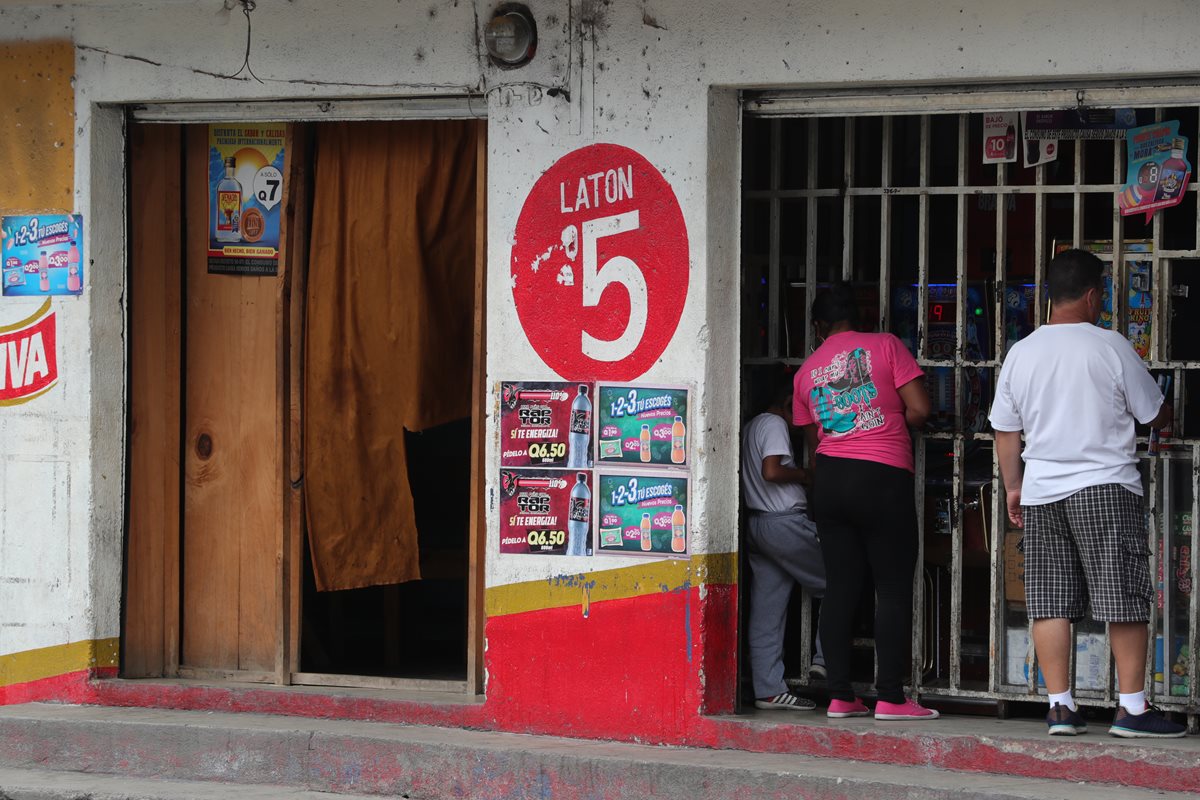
(906, 710)
(839, 709)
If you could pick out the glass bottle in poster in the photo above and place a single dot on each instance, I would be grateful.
(644, 444)
(1172, 175)
(647, 544)
(678, 441)
(678, 529)
(228, 208)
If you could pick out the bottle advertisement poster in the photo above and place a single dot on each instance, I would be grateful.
(546, 424)
(245, 187)
(546, 511)
(645, 425)
(1158, 170)
(1000, 137)
(42, 255)
(642, 514)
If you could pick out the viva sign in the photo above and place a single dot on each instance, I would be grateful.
(28, 358)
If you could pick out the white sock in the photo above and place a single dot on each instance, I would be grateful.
(1134, 703)
(1064, 699)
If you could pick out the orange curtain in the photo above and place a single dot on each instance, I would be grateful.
(390, 309)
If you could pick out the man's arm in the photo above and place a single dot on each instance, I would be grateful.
(774, 471)
(1166, 415)
(1008, 449)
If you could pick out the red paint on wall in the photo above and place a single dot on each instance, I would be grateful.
(600, 264)
(74, 687)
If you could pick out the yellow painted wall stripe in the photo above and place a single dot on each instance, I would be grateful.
(62, 659)
(581, 588)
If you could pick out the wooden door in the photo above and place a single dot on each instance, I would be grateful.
(232, 451)
(206, 515)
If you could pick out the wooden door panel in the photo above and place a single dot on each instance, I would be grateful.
(151, 646)
(233, 495)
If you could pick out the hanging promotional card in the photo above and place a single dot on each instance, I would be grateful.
(1079, 123)
(42, 255)
(546, 511)
(1037, 151)
(642, 424)
(545, 424)
(643, 513)
(999, 137)
(245, 176)
(1158, 171)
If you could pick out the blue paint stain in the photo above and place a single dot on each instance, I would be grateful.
(687, 628)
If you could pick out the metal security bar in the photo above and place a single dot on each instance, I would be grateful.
(954, 233)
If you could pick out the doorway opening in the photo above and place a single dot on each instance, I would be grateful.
(304, 448)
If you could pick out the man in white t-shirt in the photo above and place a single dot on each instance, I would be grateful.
(783, 549)
(1076, 391)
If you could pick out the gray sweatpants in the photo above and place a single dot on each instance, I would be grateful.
(783, 551)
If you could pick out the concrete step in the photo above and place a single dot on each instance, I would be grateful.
(29, 784)
(287, 755)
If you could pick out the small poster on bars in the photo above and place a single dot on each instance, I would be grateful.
(1158, 170)
(1000, 137)
(1037, 151)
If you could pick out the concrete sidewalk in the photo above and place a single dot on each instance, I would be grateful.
(49, 751)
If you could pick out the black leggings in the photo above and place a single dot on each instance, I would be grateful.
(867, 521)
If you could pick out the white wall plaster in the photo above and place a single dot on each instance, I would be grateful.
(657, 76)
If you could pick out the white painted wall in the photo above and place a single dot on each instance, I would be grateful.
(654, 75)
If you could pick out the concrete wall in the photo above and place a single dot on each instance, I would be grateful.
(658, 76)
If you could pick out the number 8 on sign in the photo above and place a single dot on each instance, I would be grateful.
(600, 264)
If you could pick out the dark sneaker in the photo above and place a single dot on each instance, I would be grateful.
(786, 701)
(1150, 724)
(816, 672)
(1062, 721)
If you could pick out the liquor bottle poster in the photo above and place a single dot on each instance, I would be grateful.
(546, 424)
(643, 513)
(245, 187)
(639, 424)
(42, 255)
(546, 511)
(1158, 170)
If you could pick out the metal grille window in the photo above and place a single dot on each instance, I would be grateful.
(950, 254)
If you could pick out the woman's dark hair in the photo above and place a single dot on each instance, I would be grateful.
(835, 304)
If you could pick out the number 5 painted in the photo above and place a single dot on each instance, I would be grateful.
(618, 269)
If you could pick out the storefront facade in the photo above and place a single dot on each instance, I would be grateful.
(759, 153)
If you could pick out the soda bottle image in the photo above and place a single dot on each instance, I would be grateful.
(646, 543)
(43, 273)
(579, 517)
(1010, 143)
(579, 440)
(678, 530)
(74, 283)
(1173, 175)
(644, 450)
(228, 210)
(678, 441)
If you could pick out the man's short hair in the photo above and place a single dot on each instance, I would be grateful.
(1071, 273)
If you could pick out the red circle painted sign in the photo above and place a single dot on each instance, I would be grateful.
(600, 264)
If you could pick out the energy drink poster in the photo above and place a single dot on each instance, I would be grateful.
(642, 514)
(546, 424)
(1158, 170)
(546, 511)
(42, 255)
(245, 187)
(645, 425)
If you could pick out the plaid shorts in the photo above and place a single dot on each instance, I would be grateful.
(1089, 546)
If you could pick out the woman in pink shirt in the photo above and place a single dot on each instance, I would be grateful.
(856, 397)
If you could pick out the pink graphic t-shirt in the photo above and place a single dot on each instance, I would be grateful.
(848, 388)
